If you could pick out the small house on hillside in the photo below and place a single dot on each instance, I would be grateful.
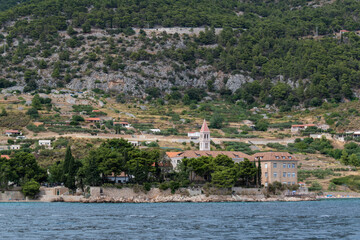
(300, 127)
(93, 120)
(11, 133)
(46, 143)
(122, 178)
(15, 147)
(194, 135)
(155, 130)
(122, 124)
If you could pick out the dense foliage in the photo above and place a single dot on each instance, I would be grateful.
(267, 41)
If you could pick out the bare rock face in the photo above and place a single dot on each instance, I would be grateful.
(236, 81)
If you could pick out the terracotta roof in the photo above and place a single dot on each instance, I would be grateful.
(96, 110)
(267, 156)
(12, 131)
(195, 154)
(5, 156)
(38, 123)
(92, 119)
(172, 154)
(204, 127)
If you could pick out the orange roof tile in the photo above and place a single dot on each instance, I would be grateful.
(92, 119)
(5, 156)
(172, 154)
(195, 154)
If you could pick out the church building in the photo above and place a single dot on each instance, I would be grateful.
(275, 166)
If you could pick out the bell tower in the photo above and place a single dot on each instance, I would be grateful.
(204, 140)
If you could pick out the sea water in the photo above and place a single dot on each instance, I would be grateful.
(327, 219)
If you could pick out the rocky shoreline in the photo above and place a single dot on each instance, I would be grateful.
(177, 198)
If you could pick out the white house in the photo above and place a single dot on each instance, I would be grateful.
(12, 133)
(194, 135)
(14, 147)
(134, 143)
(46, 143)
(297, 128)
(122, 178)
(155, 130)
(123, 124)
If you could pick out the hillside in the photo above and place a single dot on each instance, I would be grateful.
(286, 53)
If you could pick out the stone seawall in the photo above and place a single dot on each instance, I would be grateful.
(155, 195)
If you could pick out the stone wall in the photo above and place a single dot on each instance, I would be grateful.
(15, 195)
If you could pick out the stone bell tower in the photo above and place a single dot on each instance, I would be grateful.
(204, 140)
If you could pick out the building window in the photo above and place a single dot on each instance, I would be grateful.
(283, 157)
(284, 174)
(265, 165)
(284, 165)
(293, 165)
(289, 157)
(289, 165)
(293, 174)
(266, 174)
(289, 174)
(289, 183)
(275, 165)
(293, 183)
(266, 184)
(275, 174)
(277, 157)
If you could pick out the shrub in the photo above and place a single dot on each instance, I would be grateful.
(31, 188)
(315, 186)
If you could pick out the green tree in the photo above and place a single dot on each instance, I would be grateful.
(216, 121)
(259, 173)
(344, 157)
(3, 112)
(246, 172)
(36, 102)
(31, 188)
(69, 170)
(224, 177)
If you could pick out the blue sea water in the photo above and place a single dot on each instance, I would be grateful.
(328, 219)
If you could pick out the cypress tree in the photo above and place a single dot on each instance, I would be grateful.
(256, 175)
(259, 172)
(69, 170)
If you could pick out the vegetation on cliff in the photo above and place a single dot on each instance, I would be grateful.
(267, 41)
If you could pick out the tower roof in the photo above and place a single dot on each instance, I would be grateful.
(204, 127)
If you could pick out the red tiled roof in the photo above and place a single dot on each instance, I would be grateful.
(204, 127)
(195, 154)
(12, 131)
(267, 156)
(96, 111)
(92, 119)
(172, 154)
(5, 156)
